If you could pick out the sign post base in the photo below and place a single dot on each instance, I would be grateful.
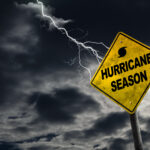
(136, 131)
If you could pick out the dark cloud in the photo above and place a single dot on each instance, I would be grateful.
(47, 137)
(21, 129)
(27, 50)
(39, 148)
(110, 124)
(147, 121)
(118, 144)
(145, 136)
(105, 126)
(105, 148)
(62, 105)
(8, 146)
(7, 86)
(96, 146)
(46, 55)
(13, 117)
(27, 47)
(103, 19)
(22, 115)
(17, 39)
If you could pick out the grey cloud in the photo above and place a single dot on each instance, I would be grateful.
(35, 7)
(21, 129)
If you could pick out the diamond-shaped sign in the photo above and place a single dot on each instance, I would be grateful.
(124, 73)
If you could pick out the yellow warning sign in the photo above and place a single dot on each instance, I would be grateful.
(124, 73)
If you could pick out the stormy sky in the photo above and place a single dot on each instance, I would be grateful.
(46, 101)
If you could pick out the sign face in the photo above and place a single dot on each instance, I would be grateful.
(124, 73)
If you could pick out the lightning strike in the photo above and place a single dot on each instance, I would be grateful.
(78, 43)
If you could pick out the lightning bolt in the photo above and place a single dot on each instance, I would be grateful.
(78, 43)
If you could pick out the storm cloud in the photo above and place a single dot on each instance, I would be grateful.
(63, 105)
(46, 101)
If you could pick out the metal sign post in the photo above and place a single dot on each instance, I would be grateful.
(136, 131)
